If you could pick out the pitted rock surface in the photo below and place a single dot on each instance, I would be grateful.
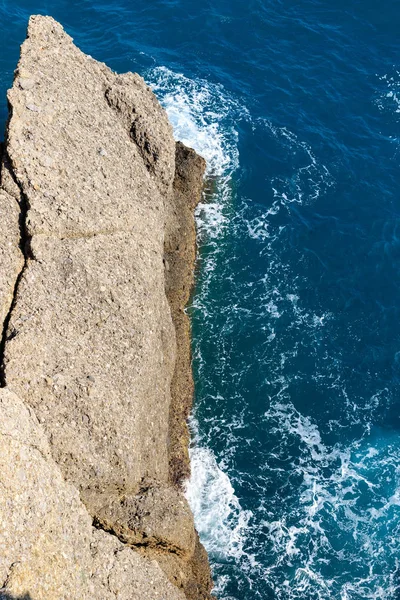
(49, 548)
(91, 318)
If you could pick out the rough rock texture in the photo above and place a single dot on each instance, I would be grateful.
(91, 318)
(95, 199)
(49, 548)
(11, 258)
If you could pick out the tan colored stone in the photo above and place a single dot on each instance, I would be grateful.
(100, 200)
(84, 192)
(149, 127)
(49, 548)
(91, 302)
(156, 518)
(92, 324)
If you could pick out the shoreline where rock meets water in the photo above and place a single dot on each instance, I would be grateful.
(97, 251)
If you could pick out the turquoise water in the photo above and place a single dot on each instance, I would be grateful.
(296, 433)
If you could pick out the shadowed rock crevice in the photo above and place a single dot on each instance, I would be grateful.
(5, 596)
(23, 245)
(149, 154)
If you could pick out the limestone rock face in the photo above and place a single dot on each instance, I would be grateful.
(49, 548)
(91, 318)
(97, 246)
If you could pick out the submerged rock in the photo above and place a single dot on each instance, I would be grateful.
(95, 199)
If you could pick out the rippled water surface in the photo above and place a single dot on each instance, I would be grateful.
(295, 104)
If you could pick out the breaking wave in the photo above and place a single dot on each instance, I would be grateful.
(203, 117)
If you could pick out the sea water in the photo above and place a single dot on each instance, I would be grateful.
(295, 104)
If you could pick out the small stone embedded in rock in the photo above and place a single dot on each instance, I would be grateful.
(26, 84)
(47, 161)
(102, 152)
(33, 107)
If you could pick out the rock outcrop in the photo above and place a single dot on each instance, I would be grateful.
(97, 246)
(49, 548)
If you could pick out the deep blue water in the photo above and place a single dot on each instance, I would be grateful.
(296, 106)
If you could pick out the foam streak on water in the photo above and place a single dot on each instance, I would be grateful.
(346, 510)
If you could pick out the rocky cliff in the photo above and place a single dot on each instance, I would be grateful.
(97, 247)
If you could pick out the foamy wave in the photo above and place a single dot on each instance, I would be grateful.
(344, 510)
(219, 518)
(203, 117)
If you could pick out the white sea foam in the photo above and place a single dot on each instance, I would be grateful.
(220, 520)
(203, 117)
(389, 98)
(336, 484)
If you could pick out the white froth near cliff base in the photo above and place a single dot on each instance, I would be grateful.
(220, 520)
(203, 117)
